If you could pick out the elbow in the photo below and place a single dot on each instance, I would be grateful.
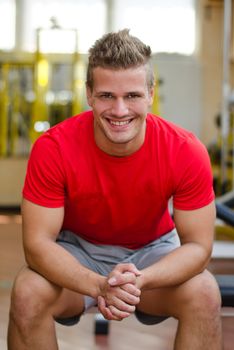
(205, 256)
(32, 255)
(29, 258)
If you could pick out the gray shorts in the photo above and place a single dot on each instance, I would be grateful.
(103, 258)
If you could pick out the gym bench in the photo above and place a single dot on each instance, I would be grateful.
(226, 286)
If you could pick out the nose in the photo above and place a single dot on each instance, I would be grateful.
(119, 107)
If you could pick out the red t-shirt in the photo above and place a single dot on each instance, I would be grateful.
(119, 201)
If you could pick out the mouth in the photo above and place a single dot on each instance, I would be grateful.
(118, 123)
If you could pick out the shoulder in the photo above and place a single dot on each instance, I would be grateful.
(71, 125)
(167, 128)
(66, 132)
(187, 164)
(173, 138)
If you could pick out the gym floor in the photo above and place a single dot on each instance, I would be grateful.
(126, 335)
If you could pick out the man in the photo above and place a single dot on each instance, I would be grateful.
(96, 225)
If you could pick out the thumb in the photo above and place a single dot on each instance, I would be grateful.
(123, 278)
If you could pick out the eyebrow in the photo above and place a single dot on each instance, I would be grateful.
(126, 93)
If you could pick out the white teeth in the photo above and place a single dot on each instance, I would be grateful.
(120, 123)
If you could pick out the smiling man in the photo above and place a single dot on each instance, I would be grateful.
(120, 102)
(96, 224)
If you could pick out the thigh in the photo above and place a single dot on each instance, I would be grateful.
(69, 304)
(173, 301)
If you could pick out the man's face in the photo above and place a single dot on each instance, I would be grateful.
(120, 100)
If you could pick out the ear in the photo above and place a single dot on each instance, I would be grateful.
(89, 95)
(151, 95)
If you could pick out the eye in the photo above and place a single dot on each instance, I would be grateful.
(132, 96)
(106, 96)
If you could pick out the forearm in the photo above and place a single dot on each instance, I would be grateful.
(58, 266)
(175, 268)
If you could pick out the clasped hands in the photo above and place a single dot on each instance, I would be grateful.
(120, 293)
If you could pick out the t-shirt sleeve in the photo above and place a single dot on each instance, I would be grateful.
(45, 180)
(193, 187)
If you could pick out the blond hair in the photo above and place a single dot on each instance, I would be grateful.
(119, 50)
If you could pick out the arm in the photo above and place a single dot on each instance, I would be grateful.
(41, 226)
(196, 231)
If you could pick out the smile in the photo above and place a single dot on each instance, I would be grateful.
(119, 123)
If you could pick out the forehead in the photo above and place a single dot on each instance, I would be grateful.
(130, 79)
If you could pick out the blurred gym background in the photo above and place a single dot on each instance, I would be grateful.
(43, 57)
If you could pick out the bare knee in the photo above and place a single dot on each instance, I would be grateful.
(202, 297)
(32, 295)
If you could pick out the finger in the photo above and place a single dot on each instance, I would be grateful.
(124, 296)
(120, 303)
(118, 280)
(103, 308)
(132, 289)
(128, 268)
(121, 299)
(105, 311)
(118, 313)
(122, 269)
(130, 299)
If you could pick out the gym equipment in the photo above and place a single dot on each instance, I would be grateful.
(222, 153)
(225, 212)
(227, 27)
(15, 107)
(226, 286)
(4, 103)
(101, 325)
(224, 205)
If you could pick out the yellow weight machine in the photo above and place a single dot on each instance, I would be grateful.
(56, 91)
(43, 91)
(51, 106)
(14, 107)
(4, 104)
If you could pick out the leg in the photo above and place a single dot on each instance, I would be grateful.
(34, 304)
(196, 304)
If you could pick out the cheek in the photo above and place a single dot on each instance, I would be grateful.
(99, 106)
(96, 108)
(142, 109)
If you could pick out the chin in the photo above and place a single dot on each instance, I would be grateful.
(121, 140)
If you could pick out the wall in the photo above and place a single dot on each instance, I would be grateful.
(192, 88)
(211, 57)
(180, 91)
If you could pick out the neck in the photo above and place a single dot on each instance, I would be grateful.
(120, 149)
